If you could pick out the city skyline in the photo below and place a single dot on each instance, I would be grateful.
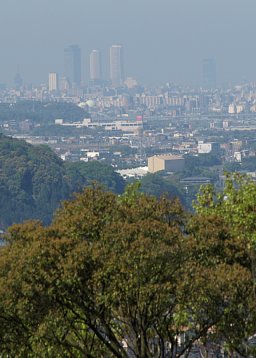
(163, 41)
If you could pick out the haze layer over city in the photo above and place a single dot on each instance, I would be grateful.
(163, 40)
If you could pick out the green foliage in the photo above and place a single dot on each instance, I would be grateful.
(247, 164)
(232, 167)
(235, 207)
(236, 204)
(41, 112)
(157, 185)
(97, 172)
(129, 269)
(131, 193)
(33, 181)
(200, 165)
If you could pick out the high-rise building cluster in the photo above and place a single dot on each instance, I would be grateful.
(72, 79)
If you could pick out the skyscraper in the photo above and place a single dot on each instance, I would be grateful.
(209, 73)
(53, 82)
(116, 65)
(18, 82)
(95, 66)
(72, 62)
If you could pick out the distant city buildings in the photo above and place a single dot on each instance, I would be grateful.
(209, 73)
(167, 162)
(53, 83)
(18, 82)
(205, 148)
(130, 82)
(63, 84)
(116, 65)
(95, 66)
(130, 125)
(72, 64)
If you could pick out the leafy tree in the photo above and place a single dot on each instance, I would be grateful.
(235, 207)
(33, 181)
(196, 165)
(120, 275)
(156, 184)
(236, 204)
(97, 172)
(41, 112)
(249, 164)
(232, 167)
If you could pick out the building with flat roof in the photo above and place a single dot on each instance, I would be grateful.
(116, 65)
(209, 73)
(53, 84)
(210, 147)
(95, 66)
(72, 62)
(167, 162)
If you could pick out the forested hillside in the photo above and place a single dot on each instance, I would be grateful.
(33, 181)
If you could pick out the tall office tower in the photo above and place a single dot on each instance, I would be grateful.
(209, 73)
(72, 59)
(18, 82)
(53, 82)
(95, 66)
(116, 65)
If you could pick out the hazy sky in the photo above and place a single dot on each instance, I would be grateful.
(164, 40)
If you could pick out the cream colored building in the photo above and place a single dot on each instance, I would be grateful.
(53, 82)
(95, 65)
(129, 126)
(167, 162)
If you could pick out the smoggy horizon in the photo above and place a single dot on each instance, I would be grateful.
(163, 40)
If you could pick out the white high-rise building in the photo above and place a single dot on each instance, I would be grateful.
(116, 65)
(53, 82)
(95, 65)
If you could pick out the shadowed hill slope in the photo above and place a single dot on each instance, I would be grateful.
(33, 181)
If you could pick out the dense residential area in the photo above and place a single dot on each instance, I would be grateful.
(184, 146)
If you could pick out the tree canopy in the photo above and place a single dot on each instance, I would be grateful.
(41, 112)
(158, 185)
(33, 181)
(129, 275)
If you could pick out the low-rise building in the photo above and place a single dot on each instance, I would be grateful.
(205, 148)
(167, 162)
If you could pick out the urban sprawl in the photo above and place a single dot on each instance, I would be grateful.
(138, 129)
